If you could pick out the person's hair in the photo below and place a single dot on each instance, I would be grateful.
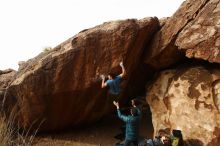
(134, 111)
(164, 132)
(177, 133)
(112, 75)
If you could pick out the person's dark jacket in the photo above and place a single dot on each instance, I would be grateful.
(132, 124)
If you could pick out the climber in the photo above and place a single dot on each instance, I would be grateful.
(132, 124)
(114, 82)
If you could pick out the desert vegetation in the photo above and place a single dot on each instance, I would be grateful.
(12, 135)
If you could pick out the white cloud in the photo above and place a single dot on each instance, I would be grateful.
(27, 26)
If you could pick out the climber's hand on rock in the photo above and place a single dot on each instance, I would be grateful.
(121, 64)
(102, 77)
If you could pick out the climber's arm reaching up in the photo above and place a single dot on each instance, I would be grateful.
(123, 70)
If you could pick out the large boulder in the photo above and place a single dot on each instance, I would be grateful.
(61, 87)
(162, 52)
(193, 31)
(6, 77)
(200, 38)
(188, 99)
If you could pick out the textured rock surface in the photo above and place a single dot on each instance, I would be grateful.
(187, 98)
(61, 87)
(201, 37)
(163, 21)
(163, 52)
(6, 76)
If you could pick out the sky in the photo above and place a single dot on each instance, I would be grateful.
(28, 26)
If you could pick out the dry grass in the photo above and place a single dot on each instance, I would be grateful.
(6, 132)
(11, 135)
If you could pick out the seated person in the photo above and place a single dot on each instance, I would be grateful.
(163, 139)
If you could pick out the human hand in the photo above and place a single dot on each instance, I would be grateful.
(102, 77)
(121, 64)
(133, 103)
(116, 104)
(163, 138)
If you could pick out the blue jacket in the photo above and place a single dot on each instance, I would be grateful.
(132, 125)
(114, 85)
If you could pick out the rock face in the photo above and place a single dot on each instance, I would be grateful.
(6, 76)
(187, 98)
(162, 51)
(200, 38)
(193, 30)
(61, 87)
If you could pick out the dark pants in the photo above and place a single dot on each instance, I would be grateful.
(131, 143)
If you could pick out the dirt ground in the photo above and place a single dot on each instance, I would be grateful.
(99, 134)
